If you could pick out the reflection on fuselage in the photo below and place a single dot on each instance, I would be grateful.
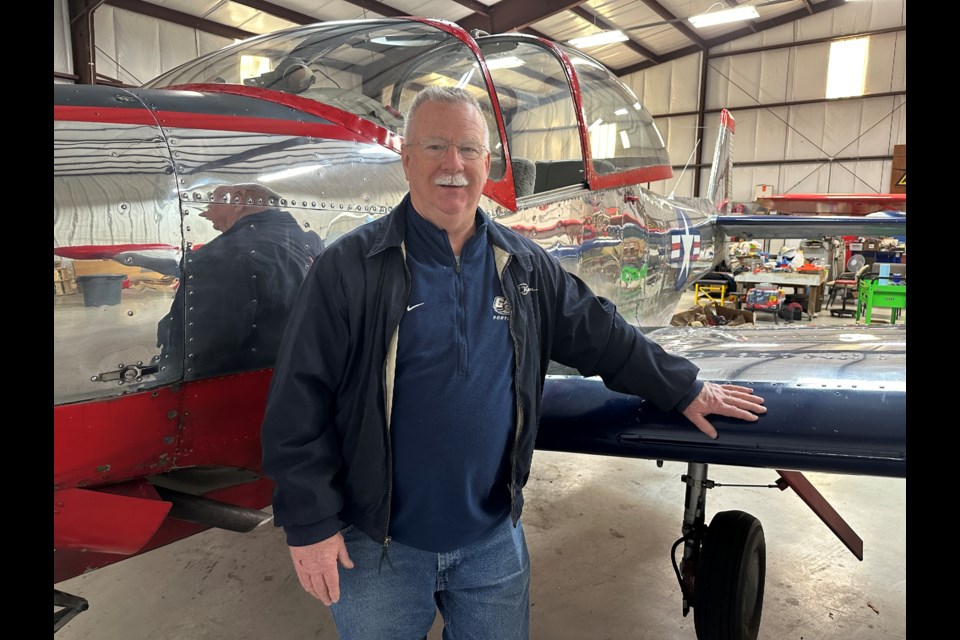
(229, 313)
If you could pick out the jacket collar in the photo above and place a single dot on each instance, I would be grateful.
(394, 228)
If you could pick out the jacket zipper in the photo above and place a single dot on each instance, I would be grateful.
(386, 418)
(516, 395)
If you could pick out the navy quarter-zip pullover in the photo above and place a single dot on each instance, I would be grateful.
(453, 417)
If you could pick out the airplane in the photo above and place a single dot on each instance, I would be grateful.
(153, 443)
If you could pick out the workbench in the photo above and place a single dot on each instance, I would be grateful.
(810, 281)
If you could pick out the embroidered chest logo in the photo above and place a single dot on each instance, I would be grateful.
(524, 289)
(501, 308)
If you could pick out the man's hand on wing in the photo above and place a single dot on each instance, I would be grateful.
(726, 400)
(316, 566)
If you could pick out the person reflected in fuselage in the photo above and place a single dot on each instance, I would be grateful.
(240, 285)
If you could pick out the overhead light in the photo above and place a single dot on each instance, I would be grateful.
(712, 18)
(597, 39)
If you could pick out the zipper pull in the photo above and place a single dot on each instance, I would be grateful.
(385, 555)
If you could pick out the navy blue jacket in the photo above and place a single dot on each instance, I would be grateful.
(325, 433)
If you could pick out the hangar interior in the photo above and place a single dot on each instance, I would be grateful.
(599, 528)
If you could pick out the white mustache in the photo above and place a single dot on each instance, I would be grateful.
(451, 180)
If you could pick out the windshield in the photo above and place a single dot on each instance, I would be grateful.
(370, 68)
(622, 132)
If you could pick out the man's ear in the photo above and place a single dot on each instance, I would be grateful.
(404, 160)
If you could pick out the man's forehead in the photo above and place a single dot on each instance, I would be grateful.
(465, 137)
(474, 116)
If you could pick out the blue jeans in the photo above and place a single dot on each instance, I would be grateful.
(482, 590)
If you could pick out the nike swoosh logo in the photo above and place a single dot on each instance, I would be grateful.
(411, 308)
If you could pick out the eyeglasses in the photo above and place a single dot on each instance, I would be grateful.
(439, 148)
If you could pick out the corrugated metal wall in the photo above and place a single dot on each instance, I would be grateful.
(807, 145)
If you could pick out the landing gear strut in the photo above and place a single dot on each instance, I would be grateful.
(723, 568)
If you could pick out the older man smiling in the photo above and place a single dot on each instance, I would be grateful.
(403, 410)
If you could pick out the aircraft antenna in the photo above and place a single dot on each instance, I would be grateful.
(689, 158)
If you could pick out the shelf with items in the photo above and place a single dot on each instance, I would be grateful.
(876, 250)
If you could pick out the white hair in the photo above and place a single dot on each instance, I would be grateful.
(450, 95)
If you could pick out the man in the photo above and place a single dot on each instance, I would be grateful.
(403, 409)
(241, 285)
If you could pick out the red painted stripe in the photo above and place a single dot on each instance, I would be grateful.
(726, 120)
(367, 130)
(219, 122)
(347, 126)
(96, 251)
(68, 113)
(629, 177)
(215, 122)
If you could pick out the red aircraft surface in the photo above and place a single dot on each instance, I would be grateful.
(187, 211)
(840, 204)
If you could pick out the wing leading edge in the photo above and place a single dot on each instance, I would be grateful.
(836, 401)
(777, 226)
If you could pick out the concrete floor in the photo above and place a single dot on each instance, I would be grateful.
(599, 531)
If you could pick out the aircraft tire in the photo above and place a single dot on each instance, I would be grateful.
(728, 589)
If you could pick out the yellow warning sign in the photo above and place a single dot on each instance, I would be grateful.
(898, 176)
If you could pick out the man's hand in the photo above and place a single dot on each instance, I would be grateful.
(316, 566)
(725, 400)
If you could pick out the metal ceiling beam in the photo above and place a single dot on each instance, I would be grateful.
(667, 57)
(379, 7)
(178, 17)
(513, 15)
(733, 4)
(735, 35)
(603, 24)
(800, 43)
(809, 9)
(301, 18)
(675, 22)
(476, 7)
(279, 12)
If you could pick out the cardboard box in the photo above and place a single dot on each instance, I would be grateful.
(856, 246)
